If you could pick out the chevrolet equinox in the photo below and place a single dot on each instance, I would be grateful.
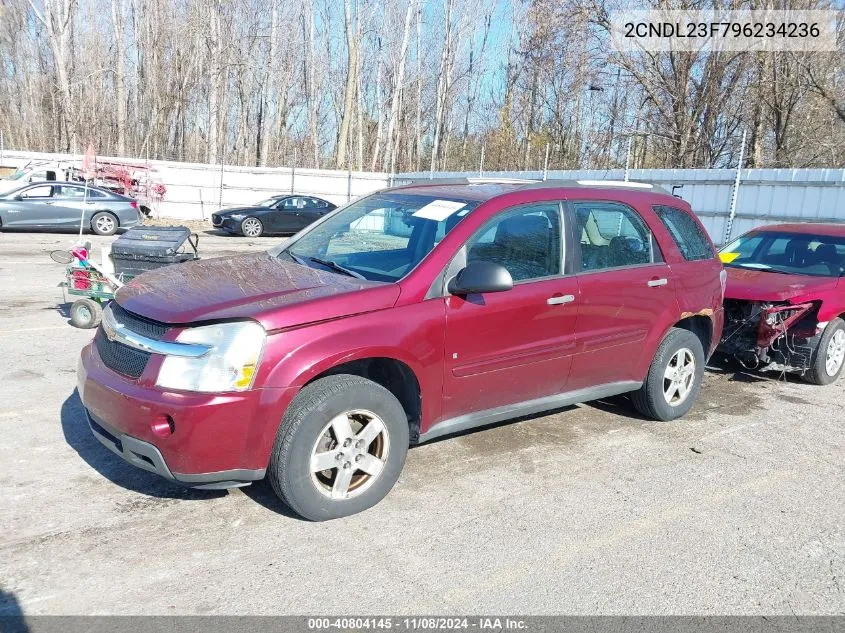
(412, 313)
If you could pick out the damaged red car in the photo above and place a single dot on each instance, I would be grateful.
(785, 300)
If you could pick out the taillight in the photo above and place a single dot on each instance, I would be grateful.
(133, 204)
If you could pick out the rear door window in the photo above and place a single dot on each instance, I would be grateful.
(690, 239)
(69, 192)
(612, 235)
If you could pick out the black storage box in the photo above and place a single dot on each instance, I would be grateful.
(146, 248)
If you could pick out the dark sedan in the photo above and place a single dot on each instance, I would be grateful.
(62, 205)
(285, 214)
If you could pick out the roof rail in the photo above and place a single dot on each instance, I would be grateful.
(467, 180)
(615, 183)
(492, 180)
(500, 181)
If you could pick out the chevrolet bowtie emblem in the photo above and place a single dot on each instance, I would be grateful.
(111, 329)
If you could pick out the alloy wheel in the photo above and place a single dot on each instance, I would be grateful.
(105, 224)
(835, 353)
(679, 377)
(349, 454)
(251, 227)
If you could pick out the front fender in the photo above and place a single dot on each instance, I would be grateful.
(413, 334)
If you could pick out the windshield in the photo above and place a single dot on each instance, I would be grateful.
(381, 237)
(791, 253)
(269, 202)
(17, 175)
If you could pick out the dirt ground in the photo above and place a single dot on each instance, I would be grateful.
(736, 509)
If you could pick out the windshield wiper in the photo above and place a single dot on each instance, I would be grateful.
(329, 264)
(296, 258)
(761, 267)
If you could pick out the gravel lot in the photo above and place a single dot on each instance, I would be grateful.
(737, 509)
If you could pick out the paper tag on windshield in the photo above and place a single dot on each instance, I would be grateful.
(438, 210)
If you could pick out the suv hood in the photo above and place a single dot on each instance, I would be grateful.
(759, 285)
(276, 293)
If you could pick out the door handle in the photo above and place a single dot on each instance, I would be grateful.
(654, 283)
(559, 300)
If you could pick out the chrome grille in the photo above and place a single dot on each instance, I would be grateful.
(139, 324)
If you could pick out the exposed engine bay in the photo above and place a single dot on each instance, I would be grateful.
(771, 336)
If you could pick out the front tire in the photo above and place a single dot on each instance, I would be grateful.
(829, 356)
(339, 449)
(674, 377)
(85, 313)
(252, 227)
(104, 223)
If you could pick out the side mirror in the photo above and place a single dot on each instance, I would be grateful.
(479, 277)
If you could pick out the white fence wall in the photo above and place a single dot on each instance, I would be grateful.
(765, 196)
(194, 190)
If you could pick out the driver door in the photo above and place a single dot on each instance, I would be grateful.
(286, 215)
(32, 207)
(509, 347)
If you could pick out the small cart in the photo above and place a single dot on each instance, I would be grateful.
(138, 250)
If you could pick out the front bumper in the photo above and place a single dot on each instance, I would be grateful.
(226, 223)
(147, 457)
(215, 441)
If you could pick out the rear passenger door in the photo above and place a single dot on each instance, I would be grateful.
(626, 292)
(69, 201)
(508, 347)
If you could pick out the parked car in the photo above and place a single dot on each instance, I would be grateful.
(138, 181)
(785, 300)
(279, 215)
(410, 314)
(62, 205)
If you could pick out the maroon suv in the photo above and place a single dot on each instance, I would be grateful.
(407, 315)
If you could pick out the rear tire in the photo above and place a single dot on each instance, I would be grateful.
(104, 223)
(674, 377)
(85, 313)
(829, 356)
(327, 425)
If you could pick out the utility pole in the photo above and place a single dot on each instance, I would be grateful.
(546, 163)
(293, 171)
(734, 194)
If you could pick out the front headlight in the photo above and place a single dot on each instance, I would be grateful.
(229, 365)
(237, 216)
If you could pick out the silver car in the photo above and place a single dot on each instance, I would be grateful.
(62, 205)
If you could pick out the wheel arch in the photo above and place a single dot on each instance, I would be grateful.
(252, 216)
(110, 212)
(701, 326)
(391, 373)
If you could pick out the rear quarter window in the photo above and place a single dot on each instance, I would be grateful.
(691, 240)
